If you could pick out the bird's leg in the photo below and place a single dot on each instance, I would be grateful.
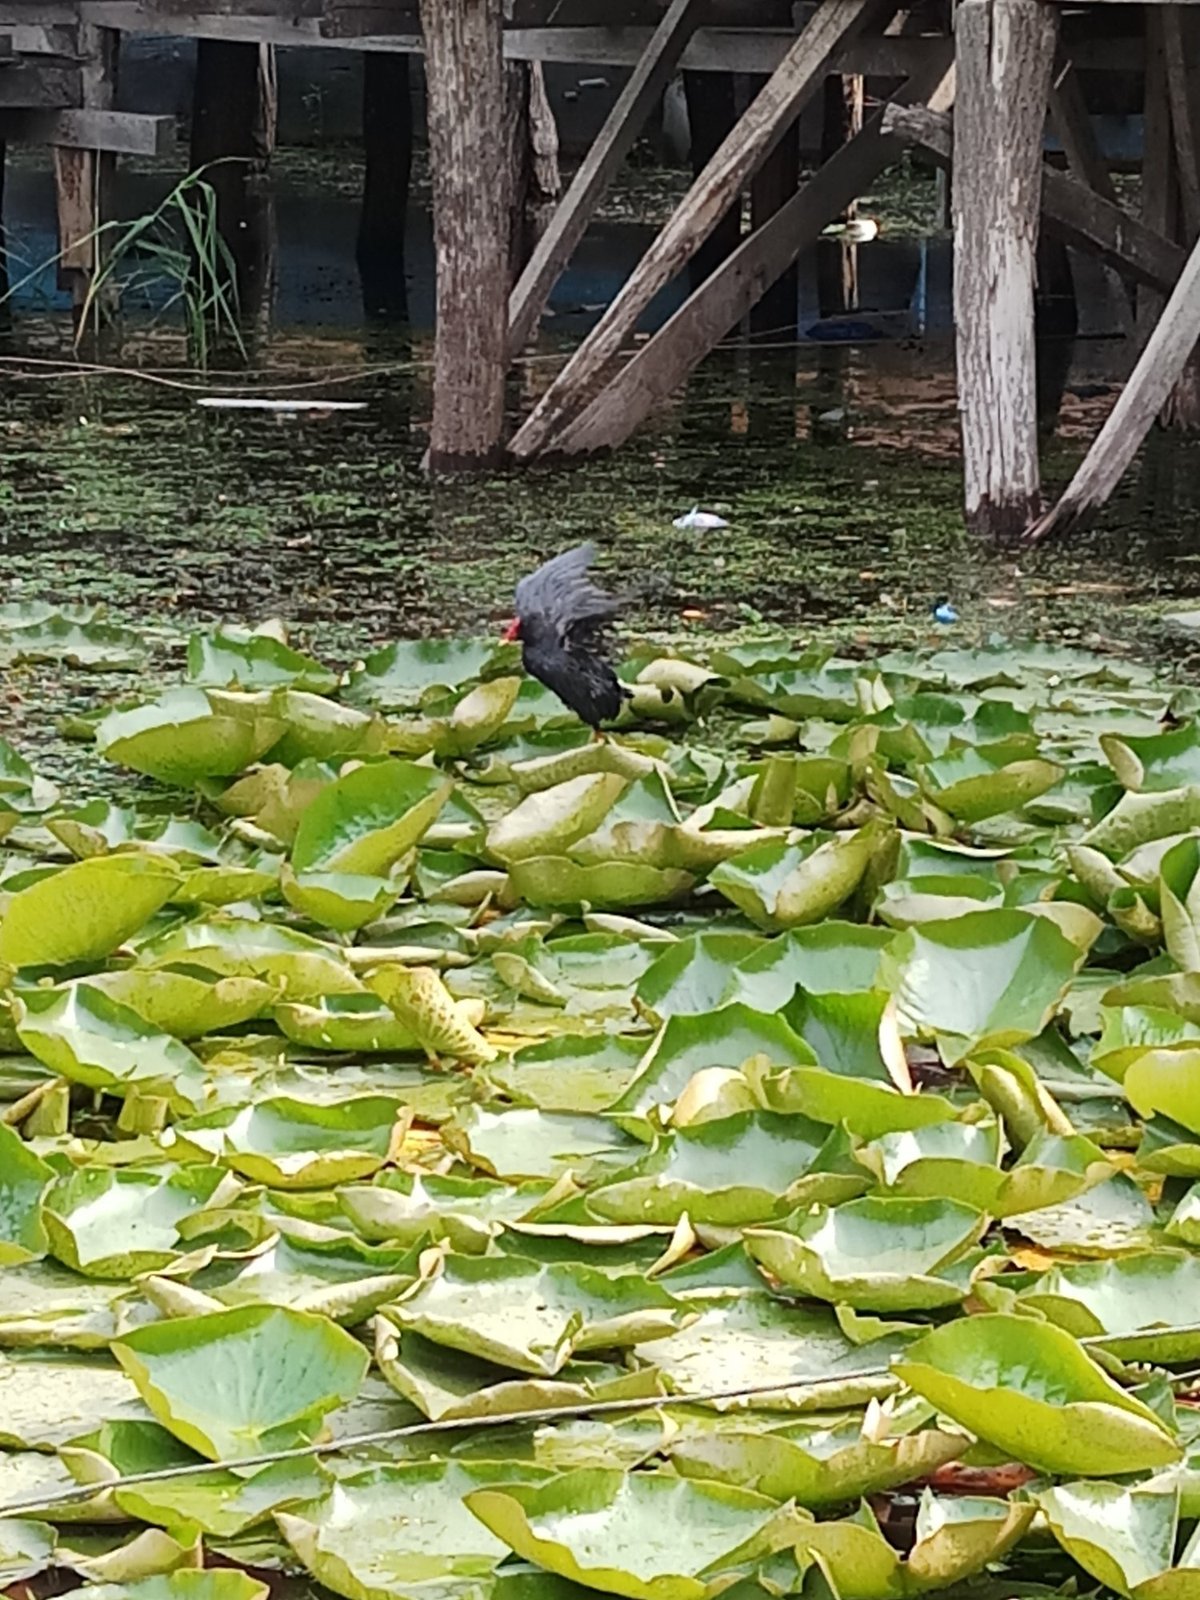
(598, 737)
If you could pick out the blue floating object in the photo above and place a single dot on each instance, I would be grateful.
(944, 613)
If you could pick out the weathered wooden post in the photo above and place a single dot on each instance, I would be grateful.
(83, 178)
(1180, 34)
(1005, 54)
(387, 173)
(464, 68)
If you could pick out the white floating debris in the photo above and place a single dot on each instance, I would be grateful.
(700, 521)
(218, 402)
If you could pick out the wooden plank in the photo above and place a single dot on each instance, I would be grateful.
(26, 86)
(127, 133)
(662, 364)
(610, 147)
(1073, 212)
(1130, 420)
(1005, 54)
(756, 135)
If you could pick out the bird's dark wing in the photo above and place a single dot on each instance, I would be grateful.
(562, 597)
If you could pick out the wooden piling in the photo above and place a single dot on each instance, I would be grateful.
(227, 142)
(83, 178)
(712, 117)
(773, 185)
(387, 174)
(802, 70)
(1005, 53)
(464, 71)
(1181, 40)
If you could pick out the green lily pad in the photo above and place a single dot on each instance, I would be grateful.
(114, 1223)
(239, 1383)
(83, 912)
(874, 1254)
(647, 1536)
(1029, 1389)
(289, 1143)
(187, 1001)
(982, 981)
(521, 1314)
(82, 1034)
(358, 1022)
(232, 658)
(183, 736)
(24, 1177)
(237, 947)
(365, 821)
(1138, 1303)
(1122, 1535)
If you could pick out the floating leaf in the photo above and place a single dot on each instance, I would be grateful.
(85, 911)
(648, 1536)
(184, 737)
(23, 1180)
(1029, 1389)
(238, 1383)
(783, 886)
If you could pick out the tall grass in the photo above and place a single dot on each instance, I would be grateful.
(177, 246)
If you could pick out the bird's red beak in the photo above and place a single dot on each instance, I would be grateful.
(513, 631)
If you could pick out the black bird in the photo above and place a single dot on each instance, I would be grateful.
(560, 621)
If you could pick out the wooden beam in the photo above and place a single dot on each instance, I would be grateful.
(610, 147)
(759, 131)
(1130, 420)
(1070, 210)
(1005, 53)
(126, 133)
(1159, 194)
(662, 364)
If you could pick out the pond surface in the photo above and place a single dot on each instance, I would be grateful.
(836, 463)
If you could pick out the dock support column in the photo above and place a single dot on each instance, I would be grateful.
(712, 116)
(464, 69)
(83, 178)
(1005, 54)
(387, 173)
(232, 125)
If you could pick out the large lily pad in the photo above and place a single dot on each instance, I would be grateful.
(85, 911)
(238, 1383)
(1029, 1389)
(648, 1536)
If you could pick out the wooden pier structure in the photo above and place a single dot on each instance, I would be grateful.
(972, 86)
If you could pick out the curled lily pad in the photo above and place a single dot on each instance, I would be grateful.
(344, 901)
(238, 947)
(648, 1536)
(187, 1001)
(187, 735)
(1122, 1535)
(1029, 1389)
(238, 1383)
(826, 1461)
(875, 1254)
(85, 911)
(232, 658)
(407, 1207)
(783, 886)
(360, 1022)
